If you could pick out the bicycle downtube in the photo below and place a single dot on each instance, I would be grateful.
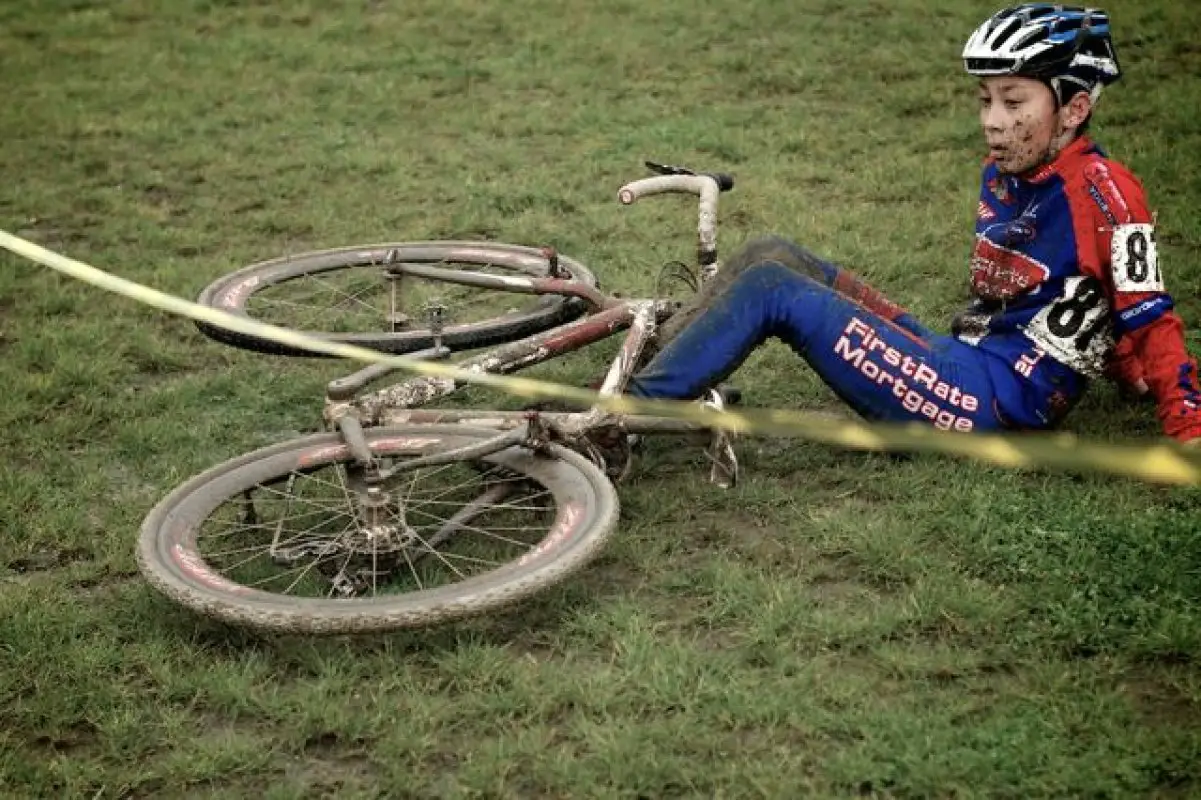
(502, 441)
(508, 283)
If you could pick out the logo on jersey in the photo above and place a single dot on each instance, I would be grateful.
(1019, 231)
(983, 212)
(1102, 204)
(1105, 193)
(1187, 382)
(999, 189)
(999, 273)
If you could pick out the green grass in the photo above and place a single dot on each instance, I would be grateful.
(840, 624)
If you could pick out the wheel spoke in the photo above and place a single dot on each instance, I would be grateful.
(297, 517)
(303, 573)
(311, 314)
(346, 296)
(241, 527)
(354, 297)
(490, 534)
(324, 534)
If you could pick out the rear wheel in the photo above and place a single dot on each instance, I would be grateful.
(350, 295)
(293, 538)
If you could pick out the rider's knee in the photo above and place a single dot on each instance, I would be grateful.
(769, 241)
(779, 250)
(769, 275)
(761, 248)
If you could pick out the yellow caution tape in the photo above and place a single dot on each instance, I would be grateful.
(1162, 461)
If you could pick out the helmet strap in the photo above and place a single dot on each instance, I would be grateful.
(1057, 87)
(1054, 85)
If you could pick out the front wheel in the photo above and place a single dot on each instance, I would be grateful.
(297, 538)
(355, 295)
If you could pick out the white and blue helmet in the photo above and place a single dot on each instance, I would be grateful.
(1067, 47)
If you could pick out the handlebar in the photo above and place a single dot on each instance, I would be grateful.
(707, 186)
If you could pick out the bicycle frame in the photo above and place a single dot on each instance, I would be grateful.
(401, 403)
(542, 454)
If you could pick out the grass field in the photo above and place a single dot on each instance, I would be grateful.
(840, 624)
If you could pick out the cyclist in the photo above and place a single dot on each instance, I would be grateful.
(1065, 278)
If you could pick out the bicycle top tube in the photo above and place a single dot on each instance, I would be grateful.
(503, 359)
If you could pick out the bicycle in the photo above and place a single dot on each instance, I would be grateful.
(537, 479)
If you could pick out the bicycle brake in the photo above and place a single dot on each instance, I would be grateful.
(725, 181)
(668, 169)
(538, 435)
(675, 272)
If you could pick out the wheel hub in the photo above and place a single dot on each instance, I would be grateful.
(359, 558)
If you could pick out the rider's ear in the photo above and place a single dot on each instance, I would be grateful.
(1075, 111)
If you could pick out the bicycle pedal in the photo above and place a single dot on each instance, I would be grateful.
(723, 471)
(730, 395)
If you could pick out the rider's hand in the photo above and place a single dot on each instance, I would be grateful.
(1125, 369)
(1194, 444)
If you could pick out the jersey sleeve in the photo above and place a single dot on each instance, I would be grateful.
(1115, 233)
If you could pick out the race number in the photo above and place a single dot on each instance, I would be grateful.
(1076, 329)
(1134, 259)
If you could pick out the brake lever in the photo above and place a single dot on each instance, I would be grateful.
(725, 181)
(668, 169)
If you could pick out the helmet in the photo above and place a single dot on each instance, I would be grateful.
(1066, 47)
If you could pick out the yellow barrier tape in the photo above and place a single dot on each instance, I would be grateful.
(1160, 462)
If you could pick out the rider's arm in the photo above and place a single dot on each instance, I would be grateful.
(1116, 236)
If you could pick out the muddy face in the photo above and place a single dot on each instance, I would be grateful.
(1022, 126)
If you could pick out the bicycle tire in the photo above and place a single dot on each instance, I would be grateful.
(586, 508)
(232, 293)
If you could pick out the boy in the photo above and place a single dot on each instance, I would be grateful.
(1065, 278)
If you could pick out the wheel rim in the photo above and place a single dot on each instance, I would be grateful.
(367, 298)
(311, 541)
(352, 292)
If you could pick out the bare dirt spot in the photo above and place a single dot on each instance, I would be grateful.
(75, 737)
(1161, 701)
(107, 582)
(836, 581)
(50, 234)
(162, 196)
(46, 559)
(330, 763)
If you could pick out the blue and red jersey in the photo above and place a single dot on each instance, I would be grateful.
(1067, 285)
